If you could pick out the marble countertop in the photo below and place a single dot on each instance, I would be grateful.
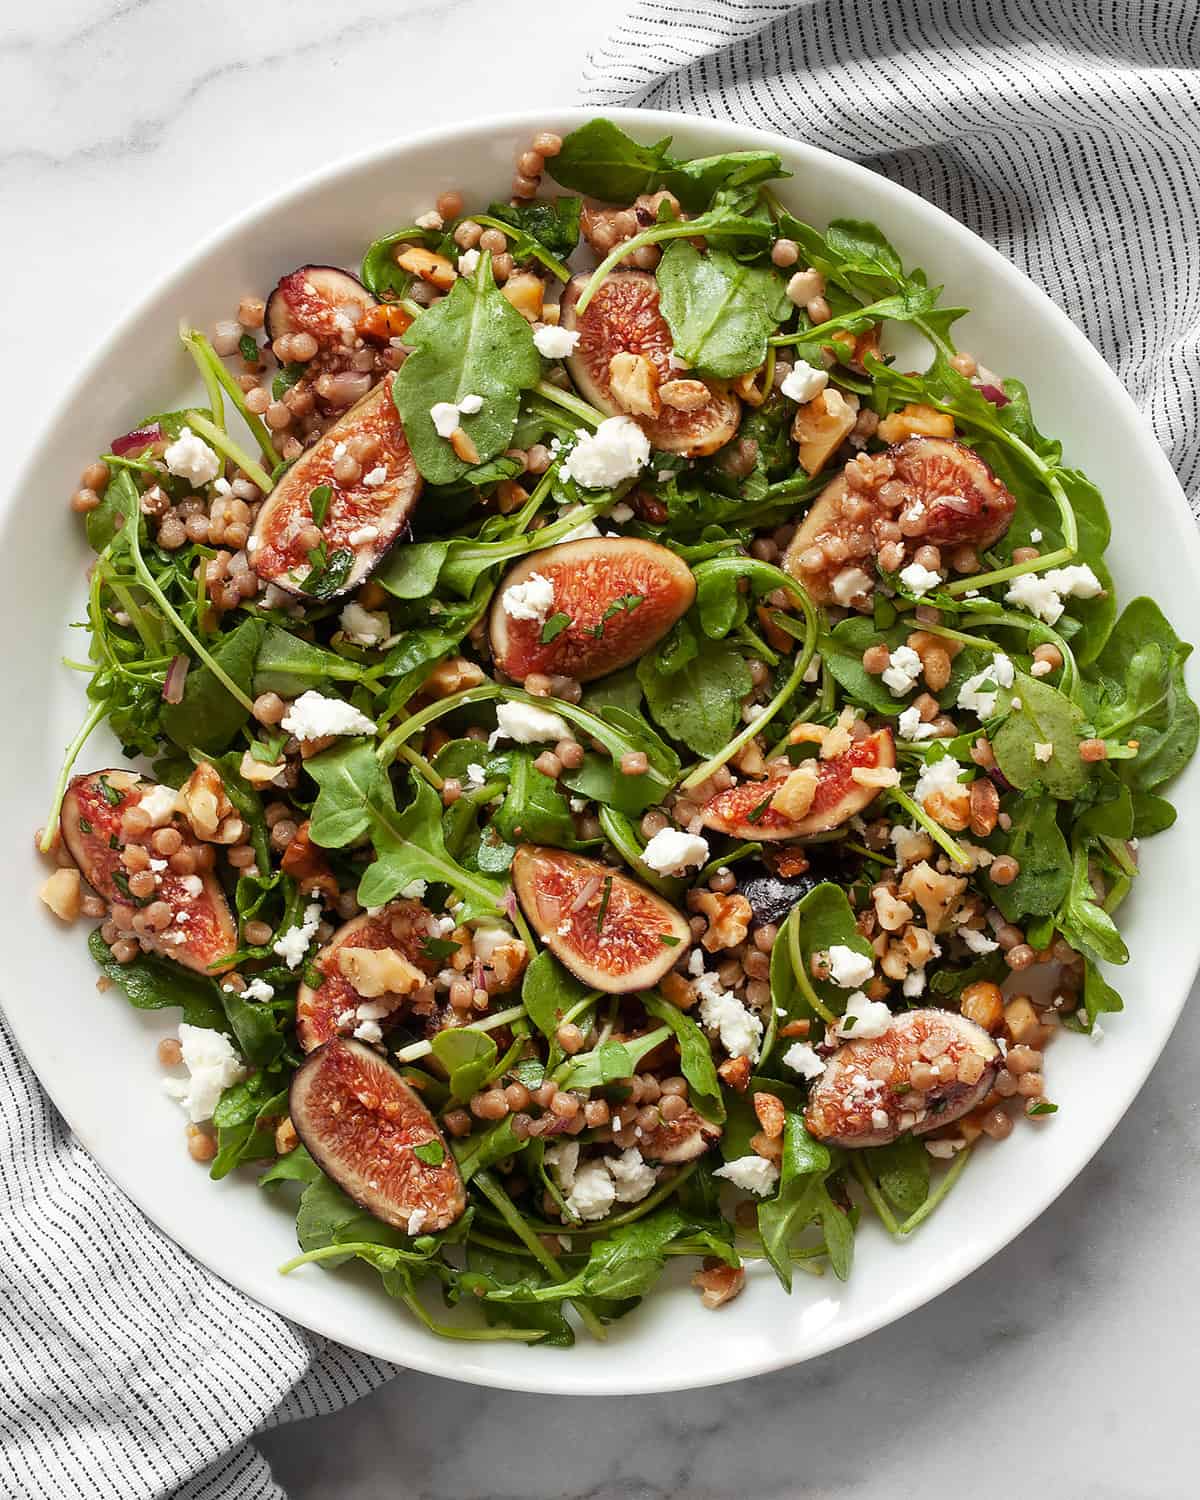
(1065, 1366)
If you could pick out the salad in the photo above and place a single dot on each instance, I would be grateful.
(620, 767)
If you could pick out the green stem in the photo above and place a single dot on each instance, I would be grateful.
(212, 366)
(935, 830)
(876, 1198)
(800, 972)
(943, 1187)
(223, 443)
(489, 1023)
(95, 714)
(569, 402)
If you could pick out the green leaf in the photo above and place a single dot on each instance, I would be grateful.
(255, 1027)
(534, 809)
(1045, 716)
(208, 717)
(289, 666)
(1037, 844)
(695, 1057)
(411, 571)
(552, 224)
(1082, 920)
(152, 983)
(348, 775)
(379, 273)
(589, 1070)
(700, 704)
(819, 920)
(1099, 997)
(721, 312)
(467, 1056)
(842, 652)
(548, 991)
(800, 1199)
(902, 1171)
(472, 343)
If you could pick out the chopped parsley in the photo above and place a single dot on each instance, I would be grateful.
(432, 1153)
(554, 627)
(318, 502)
(627, 603)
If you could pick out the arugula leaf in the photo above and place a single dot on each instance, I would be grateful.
(468, 1057)
(1099, 997)
(379, 272)
(553, 225)
(801, 1198)
(207, 717)
(720, 311)
(1082, 920)
(534, 809)
(287, 665)
(1045, 716)
(296, 1166)
(548, 991)
(842, 652)
(1036, 842)
(695, 1057)
(902, 1171)
(348, 775)
(152, 983)
(589, 1070)
(818, 920)
(701, 703)
(472, 343)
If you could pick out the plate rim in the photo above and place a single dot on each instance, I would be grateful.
(453, 1360)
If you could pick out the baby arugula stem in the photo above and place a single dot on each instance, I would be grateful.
(569, 402)
(955, 1172)
(874, 1196)
(799, 966)
(417, 1050)
(95, 714)
(934, 829)
(232, 450)
(217, 378)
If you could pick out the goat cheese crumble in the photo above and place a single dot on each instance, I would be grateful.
(313, 716)
(617, 450)
(912, 729)
(938, 776)
(365, 627)
(849, 969)
(918, 578)
(212, 1066)
(531, 600)
(671, 851)
(979, 693)
(902, 672)
(803, 1059)
(552, 342)
(753, 1174)
(159, 804)
(1042, 594)
(526, 725)
(192, 459)
(863, 1018)
(739, 1029)
(292, 945)
(803, 382)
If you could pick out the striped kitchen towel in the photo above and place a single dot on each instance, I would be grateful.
(1066, 132)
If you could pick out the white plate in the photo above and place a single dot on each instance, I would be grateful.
(95, 1054)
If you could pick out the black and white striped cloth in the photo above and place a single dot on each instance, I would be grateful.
(1067, 132)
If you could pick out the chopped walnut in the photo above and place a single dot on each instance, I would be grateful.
(685, 395)
(821, 425)
(378, 971)
(890, 912)
(729, 919)
(720, 1284)
(772, 1115)
(204, 802)
(62, 894)
(307, 864)
(735, 1071)
(795, 796)
(452, 676)
(915, 420)
(936, 895)
(507, 963)
(769, 1147)
(678, 990)
(286, 1138)
(633, 381)
(260, 773)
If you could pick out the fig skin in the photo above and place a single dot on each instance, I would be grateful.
(275, 548)
(840, 1109)
(209, 936)
(624, 317)
(838, 797)
(329, 1009)
(322, 300)
(626, 951)
(588, 576)
(359, 1121)
(949, 498)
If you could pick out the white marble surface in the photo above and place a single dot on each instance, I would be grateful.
(1066, 1366)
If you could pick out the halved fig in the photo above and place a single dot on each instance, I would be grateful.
(937, 491)
(679, 1140)
(608, 930)
(362, 1124)
(201, 933)
(620, 595)
(322, 300)
(624, 318)
(361, 520)
(744, 811)
(331, 1008)
(849, 1107)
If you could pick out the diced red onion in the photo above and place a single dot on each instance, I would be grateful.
(510, 904)
(172, 689)
(994, 394)
(586, 891)
(1000, 779)
(135, 441)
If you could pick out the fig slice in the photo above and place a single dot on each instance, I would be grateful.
(331, 1008)
(680, 1140)
(322, 300)
(361, 1124)
(847, 1106)
(937, 490)
(624, 318)
(202, 933)
(744, 811)
(620, 595)
(611, 932)
(362, 520)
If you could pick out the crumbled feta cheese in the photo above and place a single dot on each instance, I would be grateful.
(863, 1018)
(369, 1031)
(671, 851)
(1097, 1032)
(850, 584)
(192, 885)
(476, 775)
(1014, 703)
(313, 716)
(258, 989)
(468, 262)
(487, 937)
(444, 415)
(621, 513)
(740, 1029)
(527, 725)
(938, 776)
(1040, 669)
(802, 1059)
(631, 1176)
(1042, 594)
(617, 450)
(849, 969)
(695, 964)
(918, 578)
(373, 478)
(292, 945)
(192, 459)
(415, 890)
(430, 220)
(416, 1221)
(552, 342)
(593, 1192)
(911, 727)
(753, 1174)
(469, 405)
(364, 627)
(531, 600)
(212, 1066)
(914, 983)
(902, 672)
(979, 693)
(1035, 536)
(977, 942)
(339, 451)
(1043, 750)
(803, 382)
(159, 803)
